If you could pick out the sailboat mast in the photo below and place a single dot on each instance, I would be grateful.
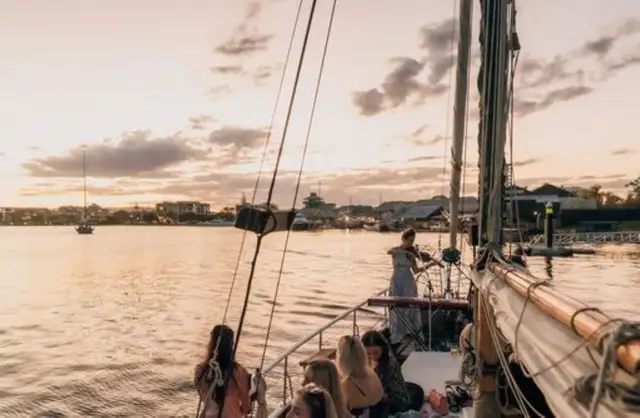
(84, 177)
(460, 116)
(492, 85)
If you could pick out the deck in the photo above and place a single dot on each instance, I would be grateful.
(568, 238)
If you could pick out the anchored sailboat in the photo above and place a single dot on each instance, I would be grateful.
(533, 350)
(84, 228)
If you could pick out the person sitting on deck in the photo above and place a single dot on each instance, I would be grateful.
(360, 384)
(465, 338)
(403, 283)
(229, 386)
(312, 401)
(324, 373)
(388, 370)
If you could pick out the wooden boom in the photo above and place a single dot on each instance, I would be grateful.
(589, 324)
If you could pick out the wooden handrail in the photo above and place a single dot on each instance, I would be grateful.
(417, 302)
(591, 325)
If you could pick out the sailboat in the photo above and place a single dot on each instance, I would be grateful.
(534, 351)
(84, 228)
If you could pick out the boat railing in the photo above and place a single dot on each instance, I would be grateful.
(318, 334)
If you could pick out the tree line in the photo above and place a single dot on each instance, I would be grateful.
(605, 198)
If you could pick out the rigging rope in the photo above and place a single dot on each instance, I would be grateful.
(285, 130)
(215, 373)
(264, 152)
(300, 170)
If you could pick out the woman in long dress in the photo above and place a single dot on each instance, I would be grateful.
(403, 283)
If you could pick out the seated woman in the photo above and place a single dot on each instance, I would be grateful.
(387, 369)
(325, 374)
(312, 401)
(227, 386)
(362, 388)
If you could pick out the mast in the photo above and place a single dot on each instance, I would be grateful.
(460, 116)
(84, 177)
(492, 86)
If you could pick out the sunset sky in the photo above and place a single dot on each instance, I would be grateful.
(172, 98)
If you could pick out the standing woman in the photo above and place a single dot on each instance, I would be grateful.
(403, 284)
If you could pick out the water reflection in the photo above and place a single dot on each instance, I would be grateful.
(113, 325)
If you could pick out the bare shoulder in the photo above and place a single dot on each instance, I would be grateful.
(241, 371)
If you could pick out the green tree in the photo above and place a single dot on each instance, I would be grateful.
(595, 192)
(611, 199)
(149, 217)
(634, 191)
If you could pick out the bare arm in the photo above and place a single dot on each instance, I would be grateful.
(393, 250)
(415, 267)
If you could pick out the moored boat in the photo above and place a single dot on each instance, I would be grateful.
(84, 228)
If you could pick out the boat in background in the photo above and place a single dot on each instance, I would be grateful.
(84, 227)
(218, 222)
(302, 223)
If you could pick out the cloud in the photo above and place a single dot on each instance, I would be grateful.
(528, 161)
(613, 182)
(622, 151)
(424, 158)
(245, 40)
(200, 122)
(403, 83)
(544, 83)
(234, 145)
(222, 187)
(525, 107)
(135, 154)
(256, 75)
(227, 69)
(245, 45)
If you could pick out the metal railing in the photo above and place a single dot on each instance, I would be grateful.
(622, 237)
(318, 332)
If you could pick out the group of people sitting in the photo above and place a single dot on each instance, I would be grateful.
(365, 380)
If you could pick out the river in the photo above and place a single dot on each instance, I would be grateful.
(112, 324)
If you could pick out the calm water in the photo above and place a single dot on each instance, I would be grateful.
(112, 324)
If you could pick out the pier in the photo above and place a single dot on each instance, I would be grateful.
(568, 238)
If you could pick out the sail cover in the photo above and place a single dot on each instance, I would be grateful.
(547, 348)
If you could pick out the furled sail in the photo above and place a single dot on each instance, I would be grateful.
(582, 362)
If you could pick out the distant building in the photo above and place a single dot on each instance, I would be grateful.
(563, 198)
(183, 207)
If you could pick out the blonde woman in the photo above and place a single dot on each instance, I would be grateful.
(325, 374)
(360, 384)
(312, 401)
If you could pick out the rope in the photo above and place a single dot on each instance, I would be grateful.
(264, 152)
(214, 367)
(300, 170)
(273, 181)
(285, 130)
(591, 390)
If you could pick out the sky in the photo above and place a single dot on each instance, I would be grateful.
(173, 99)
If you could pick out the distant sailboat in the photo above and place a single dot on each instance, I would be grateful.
(84, 228)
